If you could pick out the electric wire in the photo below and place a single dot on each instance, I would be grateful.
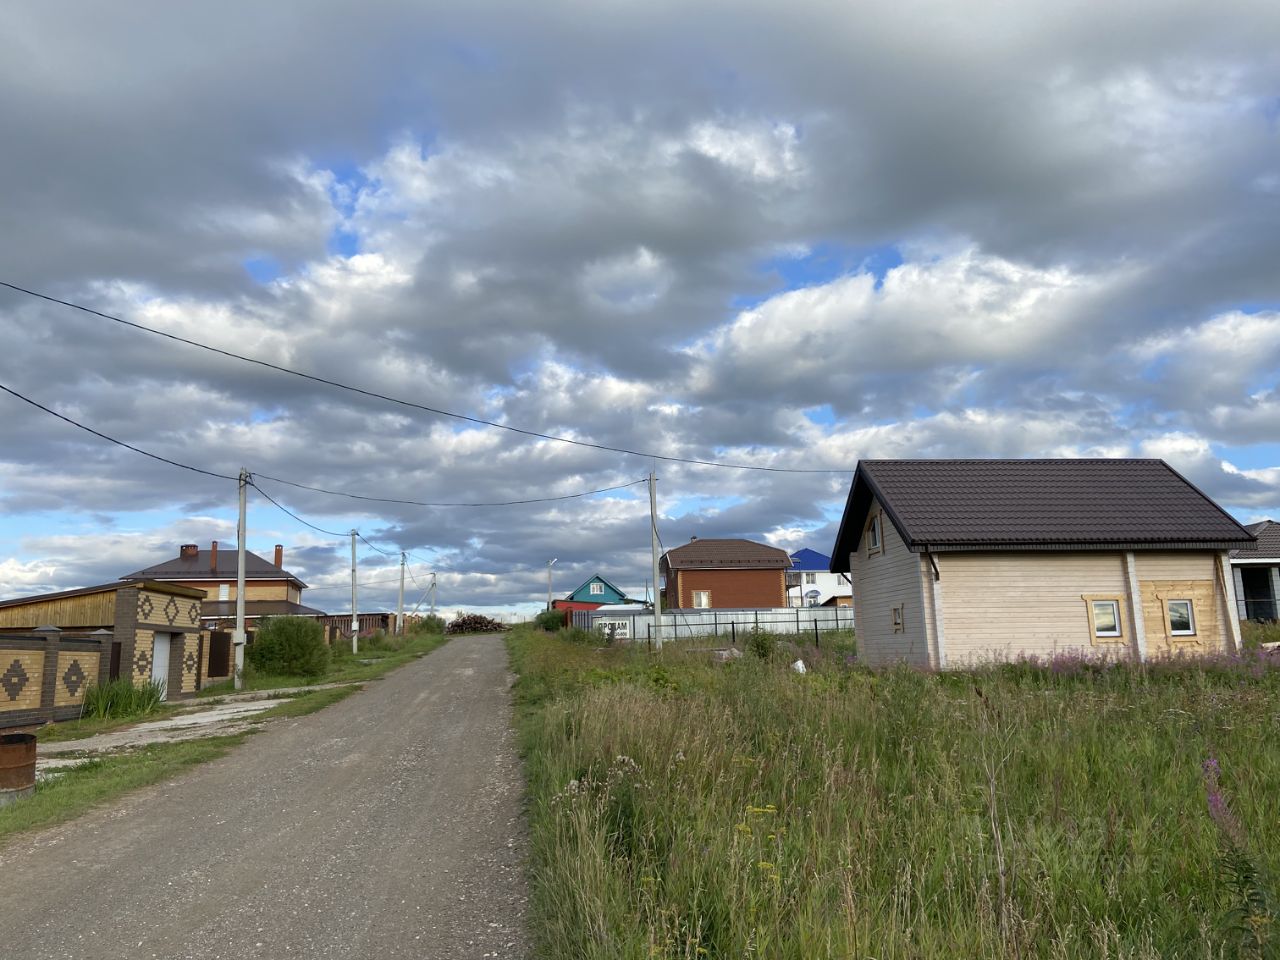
(337, 384)
(437, 503)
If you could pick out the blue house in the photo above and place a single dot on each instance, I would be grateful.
(596, 591)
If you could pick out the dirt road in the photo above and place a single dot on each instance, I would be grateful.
(385, 826)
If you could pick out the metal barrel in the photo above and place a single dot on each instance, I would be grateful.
(17, 766)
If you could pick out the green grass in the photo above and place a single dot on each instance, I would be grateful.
(305, 703)
(92, 726)
(73, 793)
(386, 654)
(681, 809)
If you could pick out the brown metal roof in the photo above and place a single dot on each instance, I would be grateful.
(939, 505)
(197, 567)
(1267, 546)
(173, 588)
(225, 609)
(725, 554)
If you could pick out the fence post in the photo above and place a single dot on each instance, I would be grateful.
(733, 630)
(715, 622)
(797, 619)
(816, 641)
(757, 616)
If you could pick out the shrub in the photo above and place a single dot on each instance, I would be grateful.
(289, 646)
(550, 620)
(121, 699)
(760, 644)
(428, 624)
(475, 623)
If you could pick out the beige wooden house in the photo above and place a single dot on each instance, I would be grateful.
(961, 562)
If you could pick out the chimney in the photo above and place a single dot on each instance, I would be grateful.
(188, 551)
(280, 555)
(213, 557)
(693, 538)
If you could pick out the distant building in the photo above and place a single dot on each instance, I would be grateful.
(725, 575)
(810, 582)
(592, 595)
(1256, 569)
(269, 589)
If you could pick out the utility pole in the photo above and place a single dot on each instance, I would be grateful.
(549, 564)
(355, 610)
(657, 595)
(238, 637)
(400, 605)
(433, 593)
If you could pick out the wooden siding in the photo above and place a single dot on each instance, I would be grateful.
(888, 578)
(88, 611)
(998, 606)
(1193, 576)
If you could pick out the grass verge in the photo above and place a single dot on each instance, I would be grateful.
(72, 793)
(305, 703)
(92, 726)
(684, 810)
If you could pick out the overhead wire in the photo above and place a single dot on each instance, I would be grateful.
(373, 394)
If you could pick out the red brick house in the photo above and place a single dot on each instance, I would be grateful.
(725, 575)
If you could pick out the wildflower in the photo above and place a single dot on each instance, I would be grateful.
(744, 829)
(1218, 810)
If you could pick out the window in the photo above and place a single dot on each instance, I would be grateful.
(899, 618)
(811, 578)
(873, 535)
(1106, 617)
(702, 599)
(224, 591)
(596, 589)
(1182, 621)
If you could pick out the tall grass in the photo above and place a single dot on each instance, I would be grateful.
(681, 809)
(121, 700)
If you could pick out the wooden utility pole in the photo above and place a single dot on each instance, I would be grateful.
(355, 610)
(657, 594)
(238, 638)
(400, 605)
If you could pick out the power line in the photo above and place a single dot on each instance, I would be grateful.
(306, 523)
(430, 503)
(479, 421)
(118, 443)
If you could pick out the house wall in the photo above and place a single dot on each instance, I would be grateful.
(1182, 575)
(90, 612)
(253, 589)
(999, 606)
(732, 589)
(827, 584)
(882, 581)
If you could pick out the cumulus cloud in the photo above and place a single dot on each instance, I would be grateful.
(619, 226)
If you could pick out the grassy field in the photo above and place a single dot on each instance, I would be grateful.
(682, 809)
(376, 657)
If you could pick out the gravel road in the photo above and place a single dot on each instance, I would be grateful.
(385, 826)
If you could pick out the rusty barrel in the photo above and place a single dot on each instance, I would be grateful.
(17, 766)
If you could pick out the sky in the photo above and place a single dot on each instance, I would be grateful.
(787, 236)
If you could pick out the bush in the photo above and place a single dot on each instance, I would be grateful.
(475, 623)
(428, 624)
(290, 646)
(121, 699)
(550, 620)
(760, 644)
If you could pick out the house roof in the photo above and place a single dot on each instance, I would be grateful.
(806, 559)
(585, 583)
(223, 609)
(1267, 546)
(197, 567)
(105, 588)
(725, 554)
(940, 505)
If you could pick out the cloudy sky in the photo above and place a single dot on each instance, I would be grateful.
(781, 235)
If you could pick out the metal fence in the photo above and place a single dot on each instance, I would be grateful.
(726, 624)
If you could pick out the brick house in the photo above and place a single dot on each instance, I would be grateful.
(725, 575)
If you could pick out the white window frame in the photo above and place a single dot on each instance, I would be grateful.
(875, 536)
(1191, 616)
(810, 579)
(596, 588)
(224, 591)
(1099, 634)
(701, 593)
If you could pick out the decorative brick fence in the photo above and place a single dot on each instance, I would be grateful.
(44, 674)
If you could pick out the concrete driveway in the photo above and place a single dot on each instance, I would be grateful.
(387, 825)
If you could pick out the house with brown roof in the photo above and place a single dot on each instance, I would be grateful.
(725, 575)
(269, 589)
(1257, 573)
(956, 562)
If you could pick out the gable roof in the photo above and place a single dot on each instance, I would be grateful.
(1267, 546)
(590, 580)
(120, 584)
(726, 554)
(940, 505)
(197, 567)
(806, 559)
